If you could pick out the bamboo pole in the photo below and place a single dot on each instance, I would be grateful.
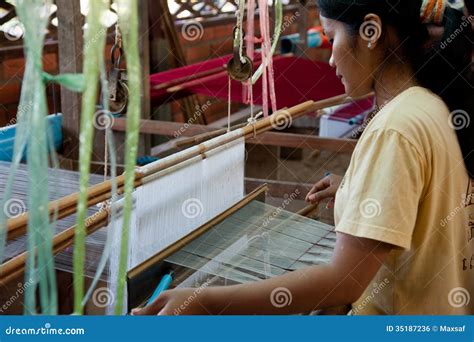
(16, 266)
(66, 206)
(308, 210)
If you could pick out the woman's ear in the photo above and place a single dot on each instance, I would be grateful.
(371, 30)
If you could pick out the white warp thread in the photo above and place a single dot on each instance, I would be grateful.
(175, 204)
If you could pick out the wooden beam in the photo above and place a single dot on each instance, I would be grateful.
(269, 138)
(70, 23)
(279, 189)
(144, 53)
(302, 44)
(166, 128)
(311, 142)
(11, 50)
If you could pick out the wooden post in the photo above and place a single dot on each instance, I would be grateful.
(302, 45)
(144, 52)
(70, 23)
(144, 29)
(159, 51)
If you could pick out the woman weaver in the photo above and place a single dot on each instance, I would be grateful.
(404, 210)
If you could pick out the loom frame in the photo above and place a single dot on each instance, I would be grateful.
(97, 193)
(139, 286)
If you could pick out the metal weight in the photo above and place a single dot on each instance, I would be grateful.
(118, 89)
(240, 71)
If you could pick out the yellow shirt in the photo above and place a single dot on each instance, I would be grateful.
(407, 186)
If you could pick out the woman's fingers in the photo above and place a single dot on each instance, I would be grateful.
(321, 195)
(321, 185)
(166, 311)
(151, 309)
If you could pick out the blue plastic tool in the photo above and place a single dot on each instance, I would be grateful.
(162, 286)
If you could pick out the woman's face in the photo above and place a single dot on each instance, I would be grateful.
(351, 58)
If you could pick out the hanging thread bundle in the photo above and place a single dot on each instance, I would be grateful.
(268, 48)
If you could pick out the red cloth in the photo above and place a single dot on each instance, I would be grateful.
(296, 80)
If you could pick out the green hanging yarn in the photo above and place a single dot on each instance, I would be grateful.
(34, 15)
(93, 55)
(74, 82)
(113, 174)
(128, 20)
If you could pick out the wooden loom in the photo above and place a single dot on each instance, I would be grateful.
(102, 192)
(221, 251)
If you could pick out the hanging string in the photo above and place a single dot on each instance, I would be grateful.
(239, 26)
(240, 23)
(247, 88)
(106, 155)
(251, 100)
(229, 104)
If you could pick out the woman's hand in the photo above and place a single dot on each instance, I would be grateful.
(325, 188)
(175, 302)
(354, 263)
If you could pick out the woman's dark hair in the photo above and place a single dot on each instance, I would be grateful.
(470, 6)
(443, 66)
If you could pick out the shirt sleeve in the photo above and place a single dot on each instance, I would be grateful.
(385, 185)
